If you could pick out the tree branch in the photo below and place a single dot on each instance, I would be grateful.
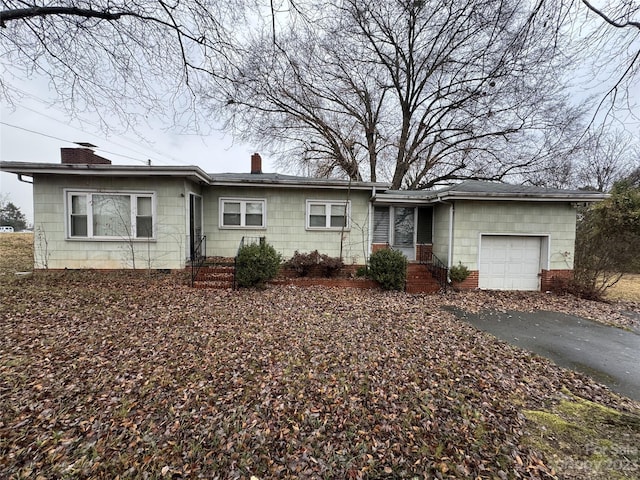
(609, 20)
(23, 13)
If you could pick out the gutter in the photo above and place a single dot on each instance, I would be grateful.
(20, 179)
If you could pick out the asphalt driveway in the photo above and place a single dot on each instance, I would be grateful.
(609, 355)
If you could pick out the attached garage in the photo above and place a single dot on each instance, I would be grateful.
(510, 262)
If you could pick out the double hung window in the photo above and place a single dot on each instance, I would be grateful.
(242, 213)
(322, 215)
(110, 215)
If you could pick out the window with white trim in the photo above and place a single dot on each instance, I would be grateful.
(242, 213)
(323, 215)
(110, 215)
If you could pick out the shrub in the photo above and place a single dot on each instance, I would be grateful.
(459, 273)
(303, 263)
(607, 241)
(362, 271)
(388, 268)
(256, 264)
(331, 265)
(587, 291)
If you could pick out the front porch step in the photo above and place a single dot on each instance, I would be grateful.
(420, 280)
(213, 285)
(215, 276)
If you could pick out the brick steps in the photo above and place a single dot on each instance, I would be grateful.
(419, 280)
(215, 277)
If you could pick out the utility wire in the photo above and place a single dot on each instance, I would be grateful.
(168, 158)
(70, 141)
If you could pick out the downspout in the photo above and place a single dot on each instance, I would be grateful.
(346, 211)
(450, 249)
(370, 235)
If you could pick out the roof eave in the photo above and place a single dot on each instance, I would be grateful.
(450, 196)
(532, 197)
(30, 169)
(296, 184)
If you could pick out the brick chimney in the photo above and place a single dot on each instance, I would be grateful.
(81, 156)
(256, 163)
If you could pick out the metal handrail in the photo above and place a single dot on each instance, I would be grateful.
(198, 258)
(438, 269)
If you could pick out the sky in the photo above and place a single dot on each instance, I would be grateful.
(33, 130)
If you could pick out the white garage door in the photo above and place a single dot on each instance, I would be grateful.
(509, 262)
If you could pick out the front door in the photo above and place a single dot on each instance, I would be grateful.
(195, 226)
(404, 231)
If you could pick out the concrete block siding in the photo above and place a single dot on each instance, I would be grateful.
(54, 249)
(556, 221)
(286, 222)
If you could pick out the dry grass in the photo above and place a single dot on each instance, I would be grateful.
(16, 253)
(628, 288)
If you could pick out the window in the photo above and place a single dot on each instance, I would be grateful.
(110, 215)
(245, 213)
(327, 215)
(380, 224)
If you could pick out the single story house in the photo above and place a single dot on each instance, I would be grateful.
(91, 214)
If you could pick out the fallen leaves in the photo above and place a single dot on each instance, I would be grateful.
(618, 314)
(105, 376)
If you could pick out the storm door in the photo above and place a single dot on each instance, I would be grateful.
(196, 244)
(404, 231)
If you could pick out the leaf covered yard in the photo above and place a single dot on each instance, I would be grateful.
(120, 375)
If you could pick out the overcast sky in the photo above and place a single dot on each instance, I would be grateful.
(34, 131)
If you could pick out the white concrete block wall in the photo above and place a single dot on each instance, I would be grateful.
(286, 223)
(557, 220)
(53, 248)
(441, 231)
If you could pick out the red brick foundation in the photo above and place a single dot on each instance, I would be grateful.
(326, 282)
(378, 246)
(555, 279)
(424, 252)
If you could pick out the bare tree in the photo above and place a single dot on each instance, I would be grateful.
(605, 159)
(600, 158)
(414, 92)
(609, 36)
(122, 57)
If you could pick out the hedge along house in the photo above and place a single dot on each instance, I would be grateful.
(511, 237)
(89, 213)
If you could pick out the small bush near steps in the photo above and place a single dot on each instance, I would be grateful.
(256, 264)
(388, 268)
(459, 273)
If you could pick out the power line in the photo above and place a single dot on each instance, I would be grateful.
(33, 131)
(168, 158)
(70, 141)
